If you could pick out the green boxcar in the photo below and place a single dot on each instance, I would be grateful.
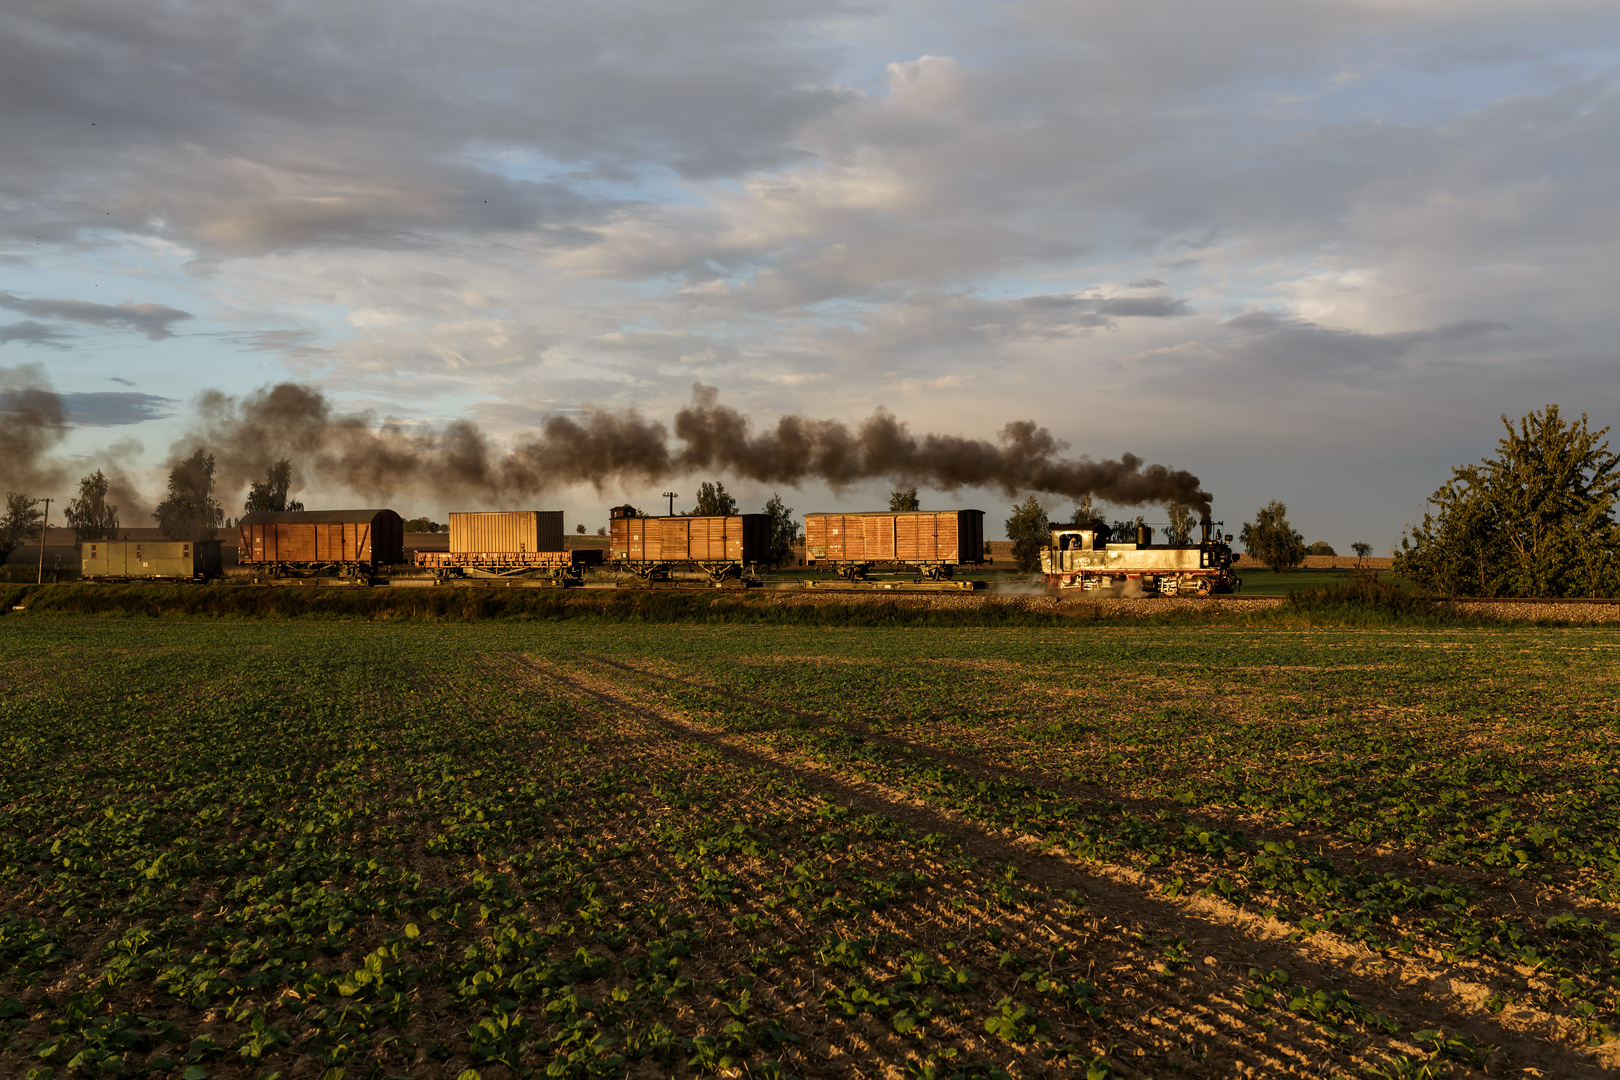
(174, 560)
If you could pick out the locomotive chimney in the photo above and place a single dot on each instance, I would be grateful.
(1144, 535)
(1206, 525)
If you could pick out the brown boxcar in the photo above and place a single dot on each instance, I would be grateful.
(722, 545)
(507, 531)
(936, 541)
(317, 541)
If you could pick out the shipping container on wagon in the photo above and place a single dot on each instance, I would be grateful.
(935, 541)
(299, 542)
(169, 560)
(506, 531)
(723, 545)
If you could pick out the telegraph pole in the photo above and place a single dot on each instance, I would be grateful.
(671, 496)
(43, 525)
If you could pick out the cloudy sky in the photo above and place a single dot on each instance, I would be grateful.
(1309, 251)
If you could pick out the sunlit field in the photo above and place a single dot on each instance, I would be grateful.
(242, 848)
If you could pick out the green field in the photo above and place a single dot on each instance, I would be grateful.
(599, 847)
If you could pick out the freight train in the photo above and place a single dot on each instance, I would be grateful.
(359, 544)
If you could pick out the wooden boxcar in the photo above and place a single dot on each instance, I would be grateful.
(934, 541)
(306, 542)
(728, 546)
(168, 560)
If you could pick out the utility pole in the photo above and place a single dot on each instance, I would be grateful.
(43, 525)
(671, 496)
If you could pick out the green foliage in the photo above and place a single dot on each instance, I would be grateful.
(21, 523)
(904, 499)
(271, 492)
(1271, 540)
(1320, 547)
(1030, 533)
(189, 512)
(1363, 600)
(784, 530)
(1181, 524)
(1362, 549)
(1085, 512)
(713, 500)
(89, 516)
(425, 525)
(1535, 520)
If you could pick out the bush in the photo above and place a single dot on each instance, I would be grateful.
(1364, 599)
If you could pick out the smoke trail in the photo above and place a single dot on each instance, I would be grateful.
(1025, 458)
(376, 460)
(32, 421)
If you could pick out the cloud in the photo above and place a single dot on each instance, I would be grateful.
(1299, 344)
(30, 333)
(153, 320)
(114, 408)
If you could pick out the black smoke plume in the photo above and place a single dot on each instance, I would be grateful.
(1025, 457)
(32, 421)
(622, 448)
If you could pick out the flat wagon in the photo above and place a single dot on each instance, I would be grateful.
(510, 543)
(935, 542)
(306, 542)
(722, 546)
(149, 560)
(1082, 558)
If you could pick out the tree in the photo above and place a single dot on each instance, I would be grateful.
(1271, 540)
(784, 530)
(21, 522)
(580, 528)
(904, 500)
(713, 500)
(1085, 512)
(1535, 520)
(1362, 550)
(89, 515)
(1321, 547)
(422, 525)
(189, 512)
(271, 493)
(1030, 532)
(1125, 529)
(1181, 524)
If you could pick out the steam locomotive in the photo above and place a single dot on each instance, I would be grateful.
(1081, 557)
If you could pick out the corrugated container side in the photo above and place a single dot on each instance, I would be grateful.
(511, 530)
